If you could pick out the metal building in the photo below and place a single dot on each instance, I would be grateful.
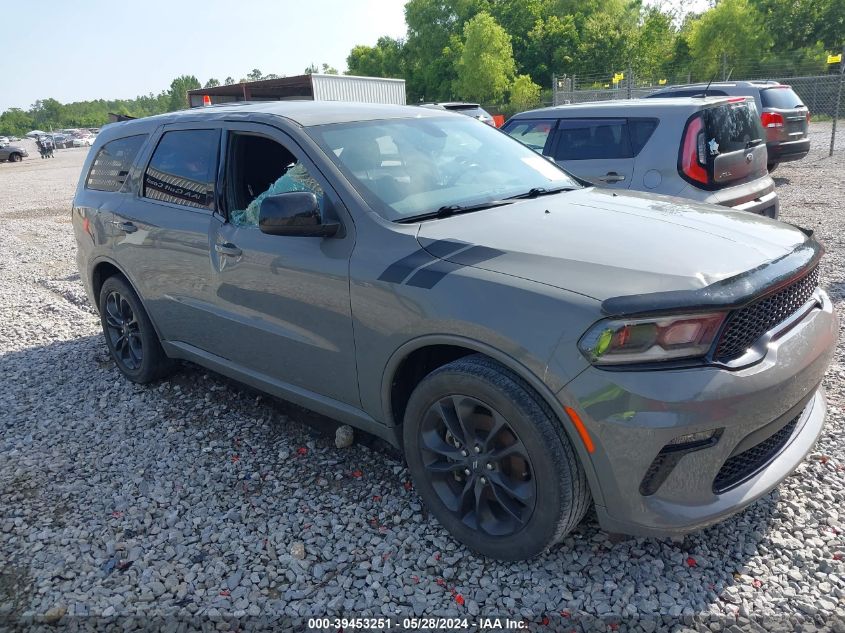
(317, 87)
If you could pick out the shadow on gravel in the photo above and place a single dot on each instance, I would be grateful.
(578, 581)
(780, 181)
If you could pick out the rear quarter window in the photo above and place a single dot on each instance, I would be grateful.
(110, 166)
(732, 126)
(780, 98)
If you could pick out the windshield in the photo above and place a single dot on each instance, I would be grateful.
(409, 167)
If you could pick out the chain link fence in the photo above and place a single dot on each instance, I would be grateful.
(822, 94)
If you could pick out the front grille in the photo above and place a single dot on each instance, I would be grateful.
(749, 462)
(746, 325)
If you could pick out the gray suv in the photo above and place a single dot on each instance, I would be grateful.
(710, 150)
(537, 347)
(784, 116)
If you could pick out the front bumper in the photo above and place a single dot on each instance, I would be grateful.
(788, 150)
(632, 415)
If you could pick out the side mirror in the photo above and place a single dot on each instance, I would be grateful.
(296, 214)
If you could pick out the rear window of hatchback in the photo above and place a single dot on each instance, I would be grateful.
(780, 97)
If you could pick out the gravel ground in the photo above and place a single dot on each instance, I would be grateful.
(198, 497)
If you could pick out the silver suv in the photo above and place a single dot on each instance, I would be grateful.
(710, 150)
(784, 116)
(536, 346)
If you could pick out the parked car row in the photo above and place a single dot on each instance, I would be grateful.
(536, 345)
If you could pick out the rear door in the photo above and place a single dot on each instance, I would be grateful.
(734, 142)
(782, 100)
(161, 234)
(596, 149)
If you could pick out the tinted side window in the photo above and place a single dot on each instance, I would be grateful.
(690, 92)
(640, 130)
(183, 167)
(532, 132)
(592, 139)
(110, 166)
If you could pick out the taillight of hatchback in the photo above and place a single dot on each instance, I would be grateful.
(694, 152)
(773, 119)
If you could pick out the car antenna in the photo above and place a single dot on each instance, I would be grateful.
(707, 87)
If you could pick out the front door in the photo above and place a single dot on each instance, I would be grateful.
(283, 302)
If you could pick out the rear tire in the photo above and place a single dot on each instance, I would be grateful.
(15, 157)
(491, 460)
(130, 336)
(772, 166)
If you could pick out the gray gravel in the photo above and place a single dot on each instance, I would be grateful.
(198, 497)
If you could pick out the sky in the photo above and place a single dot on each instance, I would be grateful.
(110, 49)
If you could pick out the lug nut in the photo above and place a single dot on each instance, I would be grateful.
(465, 453)
(483, 480)
(477, 449)
(489, 466)
(467, 472)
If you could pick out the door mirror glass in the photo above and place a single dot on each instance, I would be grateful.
(293, 214)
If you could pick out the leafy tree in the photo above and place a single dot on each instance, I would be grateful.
(254, 75)
(326, 70)
(385, 59)
(525, 94)
(211, 83)
(552, 47)
(486, 66)
(430, 52)
(179, 91)
(732, 31)
(329, 70)
(16, 122)
(228, 81)
(311, 69)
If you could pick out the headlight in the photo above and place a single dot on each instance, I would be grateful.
(650, 339)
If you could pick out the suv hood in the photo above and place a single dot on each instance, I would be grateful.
(604, 244)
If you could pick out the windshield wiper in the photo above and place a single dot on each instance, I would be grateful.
(452, 209)
(540, 191)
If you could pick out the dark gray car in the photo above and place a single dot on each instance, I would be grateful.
(13, 153)
(535, 346)
(710, 150)
(783, 114)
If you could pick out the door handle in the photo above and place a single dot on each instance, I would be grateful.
(612, 176)
(228, 249)
(126, 227)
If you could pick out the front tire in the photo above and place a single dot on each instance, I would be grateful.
(491, 461)
(130, 336)
(772, 166)
(15, 157)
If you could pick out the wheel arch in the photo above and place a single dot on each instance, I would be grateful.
(102, 269)
(452, 347)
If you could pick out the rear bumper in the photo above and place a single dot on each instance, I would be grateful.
(788, 151)
(767, 205)
(632, 416)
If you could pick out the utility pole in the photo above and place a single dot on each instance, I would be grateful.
(838, 100)
(630, 80)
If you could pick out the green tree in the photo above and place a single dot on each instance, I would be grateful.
(228, 81)
(525, 94)
(179, 91)
(385, 59)
(311, 69)
(15, 122)
(731, 34)
(212, 83)
(254, 75)
(486, 66)
(552, 47)
(430, 62)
